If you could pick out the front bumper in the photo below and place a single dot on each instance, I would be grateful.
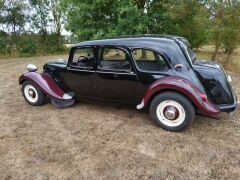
(229, 107)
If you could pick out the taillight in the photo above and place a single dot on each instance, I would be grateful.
(203, 97)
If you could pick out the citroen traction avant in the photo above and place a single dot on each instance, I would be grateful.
(157, 72)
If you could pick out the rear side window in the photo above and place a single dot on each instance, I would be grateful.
(114, 59)
(148, 60)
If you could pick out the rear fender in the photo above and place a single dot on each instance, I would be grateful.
(185, 87)
(46, 83)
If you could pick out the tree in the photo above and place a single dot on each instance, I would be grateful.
(94, 19)
(225, 20)
(231, 23)
(13, 16)
(40, 19)
(58, 18)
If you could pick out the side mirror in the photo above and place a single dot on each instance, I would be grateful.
(31, 68)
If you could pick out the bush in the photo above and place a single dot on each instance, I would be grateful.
(28, 47)
(4, 43)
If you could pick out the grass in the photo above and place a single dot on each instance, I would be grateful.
(97, 141)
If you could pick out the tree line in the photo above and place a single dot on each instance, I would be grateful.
(26, 22)
(30, 27)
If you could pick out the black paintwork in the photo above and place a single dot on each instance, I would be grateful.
(216, 84)
(130, 87)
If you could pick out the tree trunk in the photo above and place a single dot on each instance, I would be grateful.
(217, 46)
(229, 53)
(58, 29)
(144, 54)
(141, 3)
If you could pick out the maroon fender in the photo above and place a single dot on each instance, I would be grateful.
(183, 86)
(45, 82)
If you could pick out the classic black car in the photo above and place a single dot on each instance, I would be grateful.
(157, 72)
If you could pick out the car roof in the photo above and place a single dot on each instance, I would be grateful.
(136, 40)
(166, 44)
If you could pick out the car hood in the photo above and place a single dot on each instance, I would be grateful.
(55, 65)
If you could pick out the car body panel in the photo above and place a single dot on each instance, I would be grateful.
(215, 82)
(45, 82)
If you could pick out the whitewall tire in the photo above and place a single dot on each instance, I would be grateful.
(32, 94)
(172, 111)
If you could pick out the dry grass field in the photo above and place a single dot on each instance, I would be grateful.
(99, 141)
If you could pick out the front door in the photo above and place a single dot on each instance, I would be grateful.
(80, 74)
(116, 79)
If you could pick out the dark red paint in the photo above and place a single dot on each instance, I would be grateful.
(186, 88)
(45, 82)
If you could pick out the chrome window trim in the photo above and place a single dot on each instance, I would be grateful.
(121, 73)
(159, 53)
(81, 70)
(123, 48)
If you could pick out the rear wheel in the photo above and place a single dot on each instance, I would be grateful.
(32, 94)
(172, 111)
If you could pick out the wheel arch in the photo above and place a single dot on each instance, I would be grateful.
(174, 91)
(45, 82)
(185, 88)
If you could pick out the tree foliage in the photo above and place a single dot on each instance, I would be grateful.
(225, 24)
(101, 18)
(40, 22)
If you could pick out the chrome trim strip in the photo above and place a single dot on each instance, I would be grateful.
(108, 72)
(81, 70)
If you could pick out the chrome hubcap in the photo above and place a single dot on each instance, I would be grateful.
(31, 93)
(171, 113)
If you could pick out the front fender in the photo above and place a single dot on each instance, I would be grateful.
(185, 87)
(46, 83)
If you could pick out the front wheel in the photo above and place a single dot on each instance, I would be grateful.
(172, 111)
(32, 94)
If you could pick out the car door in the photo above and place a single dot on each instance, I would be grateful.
(116, 78)
(80, 74)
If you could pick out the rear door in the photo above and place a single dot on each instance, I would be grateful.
(116, 78)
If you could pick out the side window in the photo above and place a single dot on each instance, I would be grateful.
(83, 58)
(114, 59)
(148, 60)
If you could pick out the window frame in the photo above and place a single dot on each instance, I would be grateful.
(150, 49)
(71, 58)
(128, 56)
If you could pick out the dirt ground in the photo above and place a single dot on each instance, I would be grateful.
(98, 141)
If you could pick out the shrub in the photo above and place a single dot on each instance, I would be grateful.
(28, 47)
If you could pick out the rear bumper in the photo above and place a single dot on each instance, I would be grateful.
(229, 107)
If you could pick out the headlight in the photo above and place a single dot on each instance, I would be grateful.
(31, 67)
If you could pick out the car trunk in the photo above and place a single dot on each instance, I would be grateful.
(215, 83)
